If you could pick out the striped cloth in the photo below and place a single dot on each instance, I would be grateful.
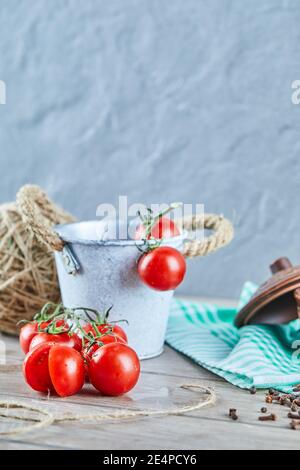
(258, 356)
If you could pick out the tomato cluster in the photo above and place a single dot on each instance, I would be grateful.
(59, 358)
(161, 268)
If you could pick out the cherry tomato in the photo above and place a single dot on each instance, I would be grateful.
(54, 367)
(72, 341)
(88, 351)
(164, 228)
(61, 324)
(162, 269)
(116, 329)
(66, 369)
(30, 330)
(111, 338)
(103, 328)
(36, 370)
(114, 369)
(27, 332)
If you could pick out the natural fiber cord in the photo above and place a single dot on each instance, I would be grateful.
(47, 418)
(222, 236)
(40, 214)
(27, 268)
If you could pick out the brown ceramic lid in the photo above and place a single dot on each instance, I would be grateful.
(277, 301)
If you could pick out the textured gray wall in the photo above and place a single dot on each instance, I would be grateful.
(161, 100)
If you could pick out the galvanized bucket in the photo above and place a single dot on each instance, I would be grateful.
(99, 273)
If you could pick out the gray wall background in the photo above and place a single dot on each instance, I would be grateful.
(160, 100)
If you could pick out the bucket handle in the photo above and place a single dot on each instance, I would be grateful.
(222, 236)
(39, 214)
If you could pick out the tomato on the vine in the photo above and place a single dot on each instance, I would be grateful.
(115, 329)
(106, 338)
(162, 268)
(31, 329)
(108, 331)
(54, 367)
(72, 340)
(66, 369)
(114, 369)
(62, 353)
(90, 349)
(163, 228)
(36, 369)
(27, 333)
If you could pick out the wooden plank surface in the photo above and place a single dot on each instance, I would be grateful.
(159, 388)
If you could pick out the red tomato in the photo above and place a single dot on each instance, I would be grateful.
(111, 338)
(67, 371)
(30, 330)
(116, 329)
(162, 269)
(101, 329)
(36, 370)
(88, 351)
(72, 341)
(114, 369)
(27, 332)
(164, 228)
(59, 324)
(54, 367)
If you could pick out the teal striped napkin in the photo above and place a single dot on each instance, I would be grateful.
(257, 355)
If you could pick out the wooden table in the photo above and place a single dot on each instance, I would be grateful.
(208, 428)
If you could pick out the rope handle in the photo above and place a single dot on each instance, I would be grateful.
(39, 214)
(222, 236)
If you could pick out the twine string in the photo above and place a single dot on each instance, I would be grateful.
(46, 417)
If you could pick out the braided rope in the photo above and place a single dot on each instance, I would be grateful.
(222, 236)
(47, 418)
(40, 214)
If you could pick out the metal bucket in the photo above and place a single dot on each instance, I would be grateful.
(97, 274)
